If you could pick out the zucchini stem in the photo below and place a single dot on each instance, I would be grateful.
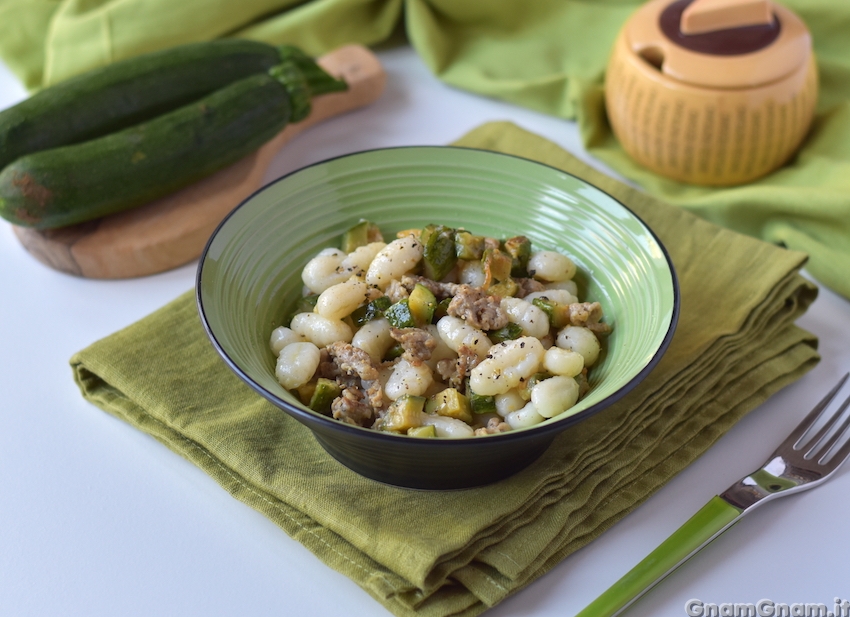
(318, 80)
(303, 79)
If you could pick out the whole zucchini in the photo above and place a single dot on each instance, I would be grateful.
(125, 169)
(127, 92)
(122, 170)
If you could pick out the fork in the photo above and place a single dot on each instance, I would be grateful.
(799, 463)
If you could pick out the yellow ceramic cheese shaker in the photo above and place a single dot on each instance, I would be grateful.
(712, 92)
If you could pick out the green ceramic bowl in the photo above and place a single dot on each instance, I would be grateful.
(249, 279)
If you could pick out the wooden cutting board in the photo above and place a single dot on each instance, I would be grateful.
(173, 231)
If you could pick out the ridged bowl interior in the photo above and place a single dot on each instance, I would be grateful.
(249, 276)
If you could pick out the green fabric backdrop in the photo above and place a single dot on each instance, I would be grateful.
(548, 55)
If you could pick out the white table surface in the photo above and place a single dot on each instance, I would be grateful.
(98, 519)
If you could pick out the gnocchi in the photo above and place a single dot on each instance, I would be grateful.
(408, 379)
(394, 260)
(296, 364)
(551, 267)
(552, 396)
(482, 350)
(561, 296)
(525, 417)
(456, 333)
(580, 340)
(530, 318)
(565, 362)
(340, 300)
(319, 330)
(506, 366)
(509, 401)
(374, 338)
(324, 270)
(359, 259)
(283, 336)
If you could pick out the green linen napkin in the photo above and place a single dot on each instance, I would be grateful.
(460, 552)
(549, 55)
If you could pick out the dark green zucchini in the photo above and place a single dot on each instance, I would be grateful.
(71, 184)
(122, 170)
(127, 92)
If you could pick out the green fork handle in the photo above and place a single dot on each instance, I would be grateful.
(710, 521)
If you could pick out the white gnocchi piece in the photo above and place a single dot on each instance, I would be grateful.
(296, 364)
(506, 366)
(442, 351)
(569, 286)
(374, 338)
(565, 362)
(408, 379)
(525, 417)
(533, 321)
(550, 266)
(324, 270)
(394, 260)
(384, 373)
(555, 395)
(509, 401)
(558, 296)
(340, 300)
(456, 333)
(472, 273)
(582, 341)
(319, 330)
(283, 336)
(359, 259)
(449, 428)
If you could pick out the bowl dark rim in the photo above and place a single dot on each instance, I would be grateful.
(534, 432)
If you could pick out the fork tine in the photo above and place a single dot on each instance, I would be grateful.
(842, 452)
(793, 440)
(837, 457)
(815, 442)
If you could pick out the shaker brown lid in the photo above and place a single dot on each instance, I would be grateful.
(719, 43)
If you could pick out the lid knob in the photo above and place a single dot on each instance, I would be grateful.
(709, 15)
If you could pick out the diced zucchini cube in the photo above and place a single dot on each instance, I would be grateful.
(422, 305)
(422, 431)
(361, 234)
(399, 315)
(468, 246)
(371, 310)
(497, 266)
(439, 255)
(324, 394)
(519, 248)
(404, 413)
(480, 403)
(451, 403)
(510, 332)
